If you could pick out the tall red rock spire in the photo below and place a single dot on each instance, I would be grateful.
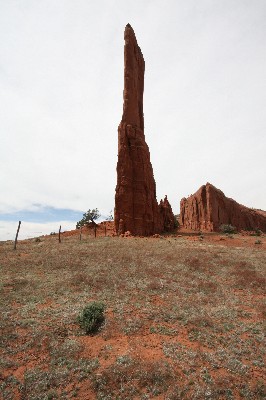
(133, 80)
(136, 207)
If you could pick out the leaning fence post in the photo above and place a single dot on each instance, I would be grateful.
(59, 237)
(16, 239)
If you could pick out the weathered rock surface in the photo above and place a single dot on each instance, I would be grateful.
(167, 215)
(209, 208)
(136, 207)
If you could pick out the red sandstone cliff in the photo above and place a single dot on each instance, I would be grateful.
(136, 207)
(209, 208)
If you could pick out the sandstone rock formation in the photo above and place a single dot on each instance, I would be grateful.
(167, 215)
(209, 208)
(136, 207)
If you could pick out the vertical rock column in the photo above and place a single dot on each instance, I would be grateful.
(136, 207)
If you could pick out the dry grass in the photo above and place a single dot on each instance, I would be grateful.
(184, 319)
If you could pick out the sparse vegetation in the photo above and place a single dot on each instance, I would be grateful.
(166, 333)
(257, 232)
(227, 228)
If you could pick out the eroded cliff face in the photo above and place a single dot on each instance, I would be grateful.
(209, 208)
(136, 207)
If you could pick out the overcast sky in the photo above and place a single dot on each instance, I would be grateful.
(61, 93)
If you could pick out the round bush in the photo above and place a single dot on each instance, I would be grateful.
(92, 317)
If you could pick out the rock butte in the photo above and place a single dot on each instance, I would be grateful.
(209, 208)
(136, 207)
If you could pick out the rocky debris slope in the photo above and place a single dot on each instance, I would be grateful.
(136, 207)
(209, 208)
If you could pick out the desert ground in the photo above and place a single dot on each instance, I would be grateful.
(183, 320)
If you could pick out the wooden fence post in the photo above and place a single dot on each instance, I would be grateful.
(59, 237)
(16, 239)
(80, 232)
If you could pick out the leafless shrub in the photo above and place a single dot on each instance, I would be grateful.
(203, 321)
(193, 263)
(207, 286)
(249, 278)
(80, 278)
(130, 377)
(154, 284)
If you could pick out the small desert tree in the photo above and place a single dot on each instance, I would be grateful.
(89, 216)
(110, 216)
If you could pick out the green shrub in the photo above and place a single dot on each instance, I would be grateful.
(227, 228)
(92, 317)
